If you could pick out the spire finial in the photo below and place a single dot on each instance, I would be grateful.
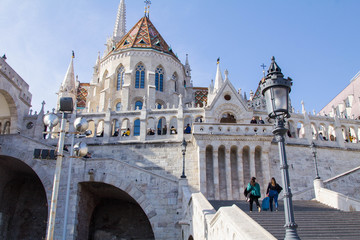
(263, 67)
(147, 7)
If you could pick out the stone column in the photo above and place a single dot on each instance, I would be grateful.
(228, 174)
(252, 162)
(240, 170)
(143, 124)
(107, 126)
(216, 173)
(151, 91)
(202, 170)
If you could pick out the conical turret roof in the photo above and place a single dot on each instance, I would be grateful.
(144, 36)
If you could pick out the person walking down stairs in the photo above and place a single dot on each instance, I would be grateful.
(253, 193)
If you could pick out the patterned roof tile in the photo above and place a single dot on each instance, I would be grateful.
(144, 35)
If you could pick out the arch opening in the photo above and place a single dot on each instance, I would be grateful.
(23, 202)
(106, 212)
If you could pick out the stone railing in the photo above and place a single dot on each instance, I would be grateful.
(233, 223)
(335, 199)
(203, 222)
(344, 183)
(233, 129)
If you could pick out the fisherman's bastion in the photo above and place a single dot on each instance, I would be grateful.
(135, 183)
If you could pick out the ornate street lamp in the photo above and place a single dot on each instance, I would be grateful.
(276, 90)
(314, 152)
(183, 149)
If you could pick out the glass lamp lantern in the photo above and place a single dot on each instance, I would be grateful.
(183, 146)
(313, 148)
(275, 88)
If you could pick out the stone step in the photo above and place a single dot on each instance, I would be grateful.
(315, 220)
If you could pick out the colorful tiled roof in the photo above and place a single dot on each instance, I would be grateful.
(144, 35)
(82, 93)
(201, 95)
(258, 93)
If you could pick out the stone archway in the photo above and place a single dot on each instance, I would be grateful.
(106, 212)
(8, 113)
(23, 202)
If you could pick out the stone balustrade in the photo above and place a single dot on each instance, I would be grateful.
(203, 222)
(232, 129)
(335, 199)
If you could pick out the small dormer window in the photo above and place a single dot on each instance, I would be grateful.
(126, 42)
(142, 41)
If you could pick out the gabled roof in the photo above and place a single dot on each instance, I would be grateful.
(144, 35)
(227, 85)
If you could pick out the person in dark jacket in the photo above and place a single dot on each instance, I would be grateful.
(253, 189)
(272, 192)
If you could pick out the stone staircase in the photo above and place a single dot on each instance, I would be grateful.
(315, 220)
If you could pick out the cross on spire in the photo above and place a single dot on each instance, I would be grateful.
(147, 7)
(263, 67)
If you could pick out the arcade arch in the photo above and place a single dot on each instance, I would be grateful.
(23, 201)
(110, 213)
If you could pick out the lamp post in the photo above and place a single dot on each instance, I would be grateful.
(80, 149)
(80, 124)
(276, 90)
(66, 105)
(314, 152)
(183, 149)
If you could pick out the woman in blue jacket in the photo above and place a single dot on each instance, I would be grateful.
(253, 190)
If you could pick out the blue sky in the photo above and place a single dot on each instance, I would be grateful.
(316, 43)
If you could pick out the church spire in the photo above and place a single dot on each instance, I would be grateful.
(218, 78)
(68, 88)
(68, 84)
(120, 24)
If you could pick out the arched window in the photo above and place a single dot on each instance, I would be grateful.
(174, 78)
(137, 127)
(185, 83)
(140, 76)
(118, 106)
(159, 79)
(138, 105)
(120, 78)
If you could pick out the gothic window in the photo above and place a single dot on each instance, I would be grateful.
(120, 78)
(138, 105)
(159, 79)
(185, 83)
(118, 106)
(174, 77)
(137, 127)
(140, 76)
